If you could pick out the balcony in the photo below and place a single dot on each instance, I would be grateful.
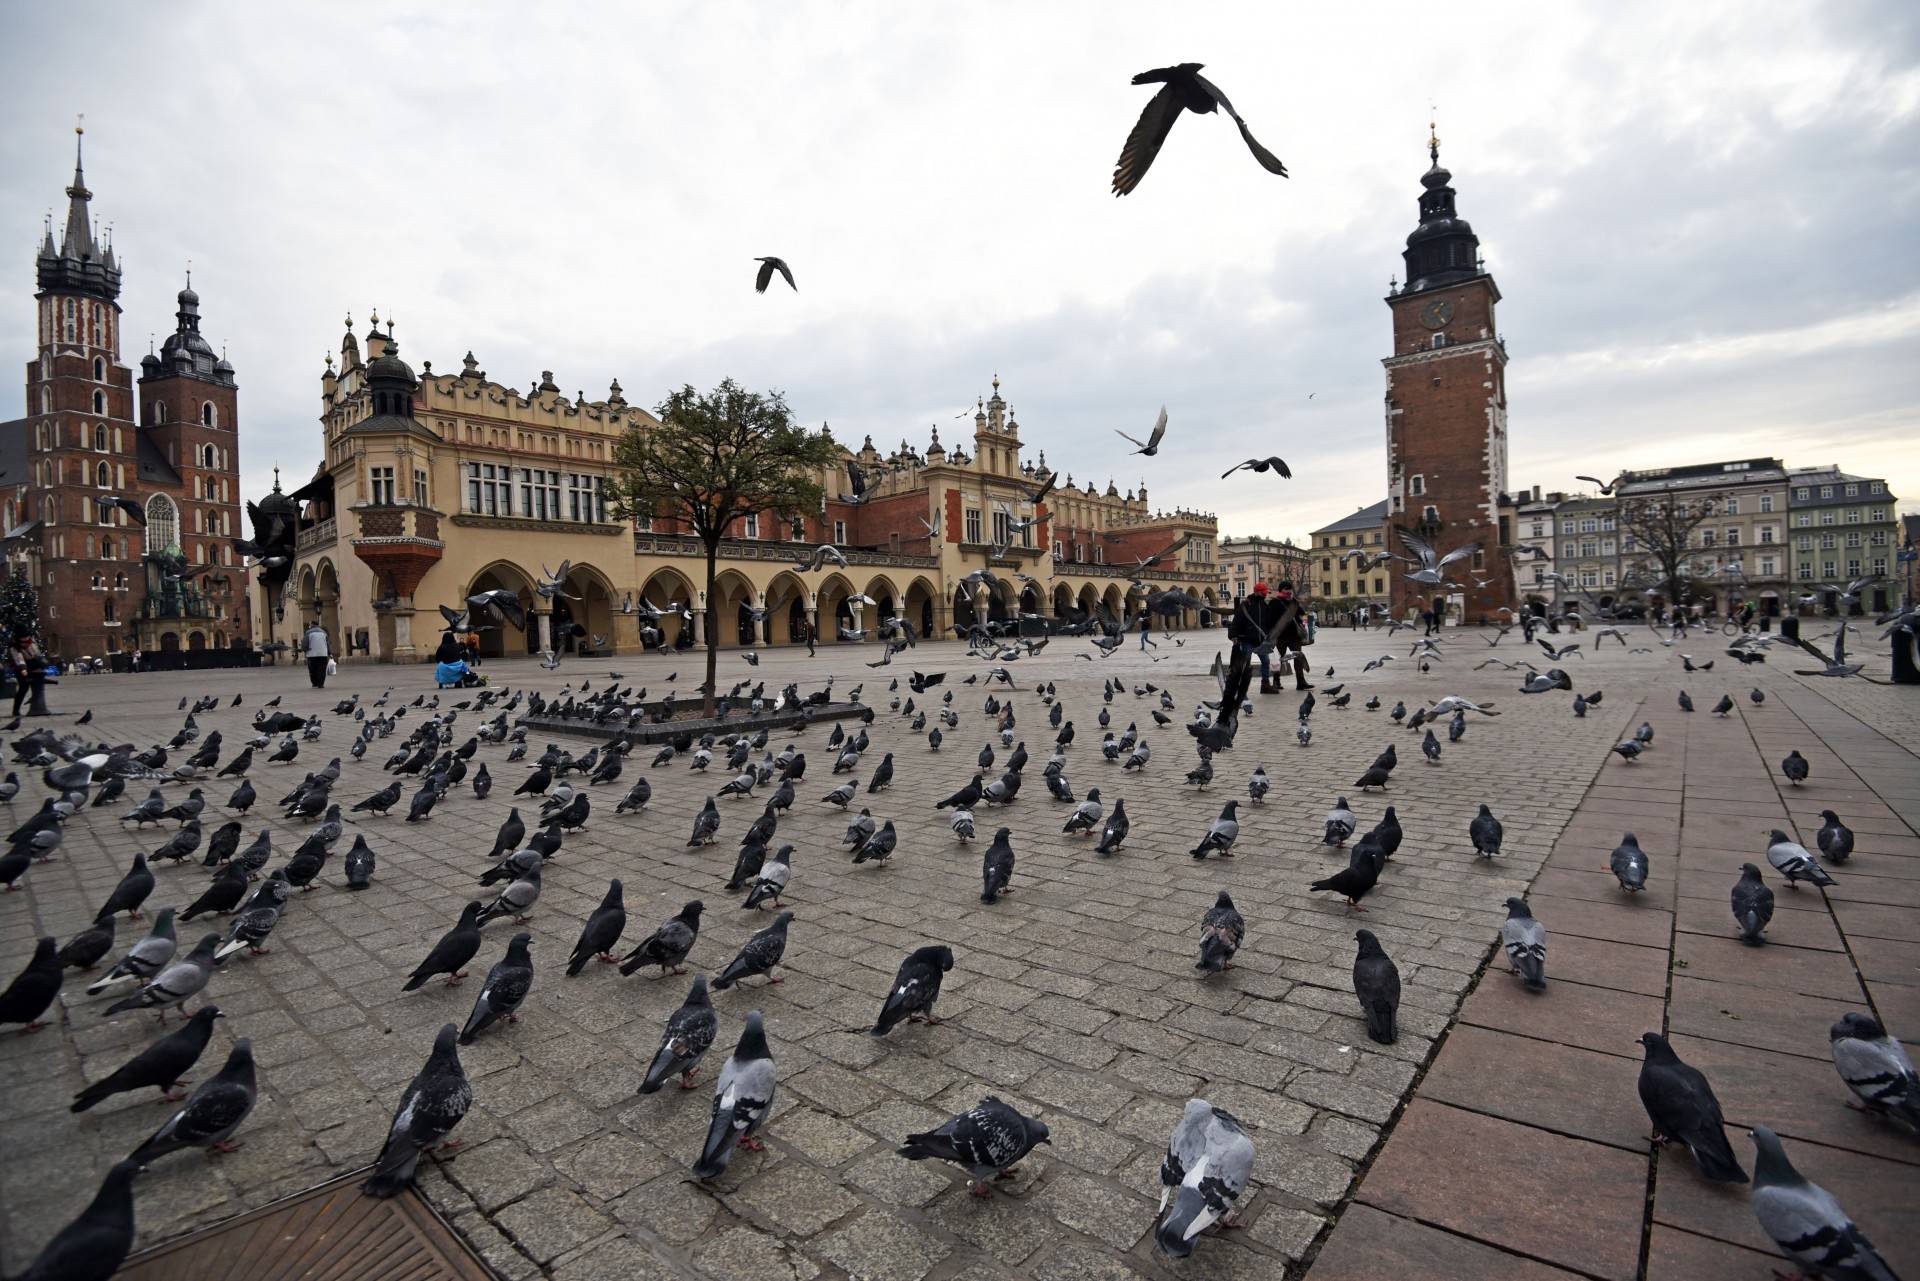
(399, 543)
(315, 537)
(168, 606)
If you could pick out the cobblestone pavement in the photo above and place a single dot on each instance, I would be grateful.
(1075, 998)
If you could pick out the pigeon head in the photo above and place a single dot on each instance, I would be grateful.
(753, 1039)
(1658, 1051)
(206, 1014)
(1748, 872)
(1003, 834)
(1369, 945)
(691, 912)
(697, 994)
(1778, 837)
(1517, 909)
(444, 1043)
(1770, 1165)
(1830, 817)
(1223, 900)
(1859, 1026)
(783, 920)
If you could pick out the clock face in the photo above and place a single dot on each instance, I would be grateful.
(1436, 313)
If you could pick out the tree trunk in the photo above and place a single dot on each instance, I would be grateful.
(713, 631)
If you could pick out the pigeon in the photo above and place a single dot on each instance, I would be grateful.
(1113, 835)
(32, 991)
(996, 866)
(256, 918)
(1340, 824)
(1085, 816)
(961, 821)
(1835, 839)
(1628, 751)
(89, 947)
(1756, 695)
(688, 1035)
(1352, 882)
(145, 958)
(175, 985)
(1752, 904)
(94, 1245)
(915, 988)
(668, 946)
(1209, 1160)
(758, 955)
(1221, 834)
(706, 824)
(159, 1066)
(1526, 943)
(515, 900)
(1629, 864)
(433, 1103)
(506, 987)
(1794, 767)
(1374, 777)
(211, 1114)
(229, 887)
(132, 890)
(771, 881)
(1258, 785)
(381, 801)
(513, 866)
(636, 798)
(482, 782)
(1686, 702)
(1376, 981)
(359, 864)
(1221, 931)
(742, 1101)
(1486, 833)
(1681, 1105)
(451, 954)
(1724, 706)
(1792, 861)
(1876, 1068)
(601, 932)
(511, 832)
(1805, 1220)
(764, 276)
(985, 1141)
(1183, 89)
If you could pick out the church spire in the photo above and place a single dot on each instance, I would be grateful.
(1442, 250)
(78, 264)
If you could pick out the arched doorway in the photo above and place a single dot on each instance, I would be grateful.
(964, 614)
(830, 600)
(786, 605)
(920, 605)
(886, 600)
(196, 642)
(1030, 600)
(1062, 600)
(668, 587)
(734, 598)
(327, 601)
(499, 639)
(169, 642)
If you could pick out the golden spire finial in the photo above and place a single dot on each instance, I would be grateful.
(1433, 142)
(80, 123)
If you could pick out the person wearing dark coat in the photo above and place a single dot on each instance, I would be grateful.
(1266, 623)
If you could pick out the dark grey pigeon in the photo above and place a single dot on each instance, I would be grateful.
(1794, 767)
(159, 1066)
(669, 945)
(1376, 981)
(915, 988)
(32, 991)
(1209, 1160)
(1486, 833)
(222, 895)
(434, 1103)
(601, 932)
(132, 890)
(1629, 864)
(996, 867)
(255, 920)
(1876, 1068)
(1221, 932)
(1805, 1220)
(512, 831)
(359, 864)
(742, 1100)
(506, 987)
(451, 954)
(985, 1141)
(758, 955)
(1114, 834)
(93, 1246)
(1835, 839)
(90, 946)
(1526, 943)
(212, 1112)
(1681, 1105)
(689, 1033)
(1752, 904)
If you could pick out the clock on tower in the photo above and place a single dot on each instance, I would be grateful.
(1447, 411)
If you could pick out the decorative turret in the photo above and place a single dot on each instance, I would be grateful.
(391, 380)
(1442, 250)
(79, 264)
(996, 407)
(349, 349)
(936, 452)
(186, 353)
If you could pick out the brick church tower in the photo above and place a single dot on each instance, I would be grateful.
(1447, 410)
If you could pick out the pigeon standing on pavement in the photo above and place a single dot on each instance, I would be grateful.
(1208, 1162)
(1629, 864)
(1752, 904)
(1341, 823)
(1221, 834)
(1682, 1106)
(212, 1112)
(145, 958)
(94, 1245)
(669, 945)
(1526, 943)
(1486, 833)
(1876, 1068)
(601, 932)
(1805, 1220)
(132, 890)
(985, 1141)
(741, 1101)
(1114, 834)
(451, 954)
(758, 955)
(1222, 930)
(1376, 981)
(159, 1066)
(32, 991)
(90, 946)
(433, 1104)
(996, 867)
(689, 1033)
(506, 987)
(175, 985)
(1835, 839)
(1791, 860)
(1794, 767)
(915, 988)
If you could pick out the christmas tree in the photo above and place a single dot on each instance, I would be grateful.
(19, 607)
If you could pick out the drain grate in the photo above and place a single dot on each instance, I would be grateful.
(328, 1233)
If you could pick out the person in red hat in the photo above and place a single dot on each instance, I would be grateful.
(1268, 621)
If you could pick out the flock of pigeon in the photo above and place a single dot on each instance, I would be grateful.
(1209, 1156)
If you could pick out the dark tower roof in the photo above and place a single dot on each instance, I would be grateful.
(390, 384)
(1443, 249)
(79, 264)
(185, 353)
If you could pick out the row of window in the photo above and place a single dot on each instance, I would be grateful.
(1877, 515)
(1804, 493)
(1830, 569)
(532, 493)
(93, 325)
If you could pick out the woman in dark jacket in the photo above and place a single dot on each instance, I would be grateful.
(1264, 623)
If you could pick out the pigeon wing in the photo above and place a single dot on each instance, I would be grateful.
(1143, 144)
(1268, 161)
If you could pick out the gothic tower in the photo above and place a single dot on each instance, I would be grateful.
(1446, 409)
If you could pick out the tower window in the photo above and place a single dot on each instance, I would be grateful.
(99, 402)
(102, 475)
(1418, 485)
(1430, 514)
(100, 439)
(1439, 340)
(160, 412)
(99, 369)
(209, 458)
(206, 414)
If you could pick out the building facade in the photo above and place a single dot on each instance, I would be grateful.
(1247, 561)
(442, 485)
(1740, 553)
(167, 443)
(1340, 551)
(1446, 410)
(1843, 527)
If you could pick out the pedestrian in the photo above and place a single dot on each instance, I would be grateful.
(1146, 626)
(806, 636)
(318, 655)
(472, 641)
(21, 657)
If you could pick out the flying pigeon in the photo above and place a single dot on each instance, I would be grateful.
(1183, 89)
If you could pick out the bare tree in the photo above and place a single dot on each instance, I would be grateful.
(1659, 529)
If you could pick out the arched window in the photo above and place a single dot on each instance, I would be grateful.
(119, 582)
(99, 369)
(100, 439)
(209, 458)
(99, 402)
(103, 477)
(160, 412)
(206, 414)
(163, 523)
(110, 609)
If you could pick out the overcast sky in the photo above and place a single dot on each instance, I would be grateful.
(1703, 217)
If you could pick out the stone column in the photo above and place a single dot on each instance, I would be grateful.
(403, 650)
(545, 620)
(699, 628)
(626, 633)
